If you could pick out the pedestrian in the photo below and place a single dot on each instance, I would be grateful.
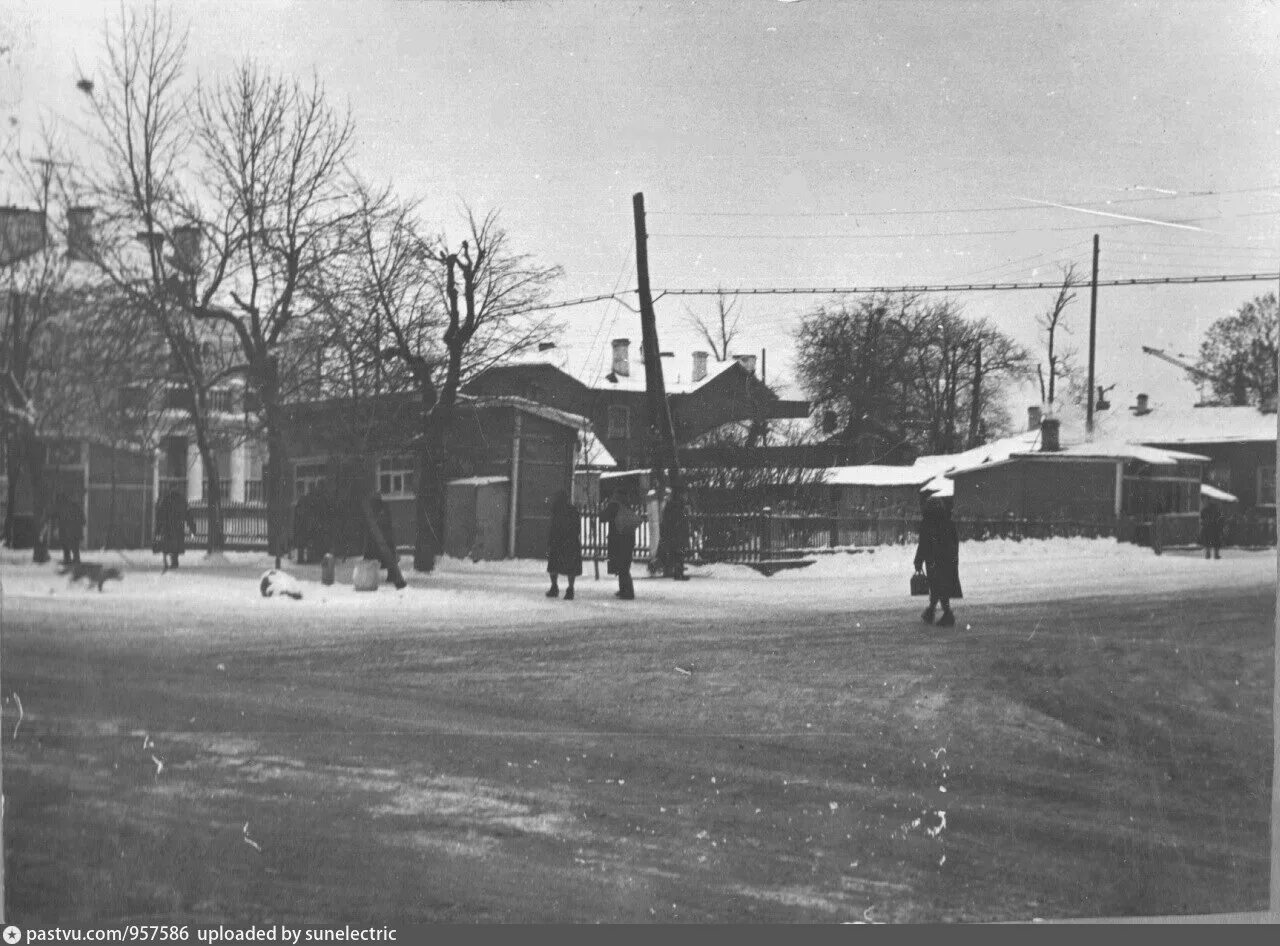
(622, 521)
(674, 537)
(564, 544)
(69, 513)
(173, 519)
(1211, 528)
(938, 555)
(302, 526)
(321, 524)
(380, 547)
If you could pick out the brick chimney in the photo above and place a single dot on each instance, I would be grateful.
(80, 234)
(1141, 407)
(699, 366)
(747, 361)
(622, 357)
(186, 248)
(1049, 435)
(1033, 417)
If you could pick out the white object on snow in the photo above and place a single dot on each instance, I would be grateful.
(275, 583)
(364, 577)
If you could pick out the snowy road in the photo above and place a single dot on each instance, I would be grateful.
(1097, 741)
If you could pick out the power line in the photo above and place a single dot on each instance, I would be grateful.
(999, 208)
(889, 236)
(973, 287)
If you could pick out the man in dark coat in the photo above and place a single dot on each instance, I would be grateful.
(674, 539)
(382, 552)
(70, 517)
(938, 555)
(173, 519)
(321, 523)
(302, 526)
(1211, 528)
(622, 522)
(564, 544)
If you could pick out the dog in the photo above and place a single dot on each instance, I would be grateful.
(93, 572)
(275, 583)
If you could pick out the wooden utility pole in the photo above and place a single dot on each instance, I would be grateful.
(1093, 335)
(661, 429)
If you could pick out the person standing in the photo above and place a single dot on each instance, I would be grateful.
(380, 546)
(1211, 528)
(564, 544)
(303, 526)
(70, 517)
(173, 519)
(938, 555)
(622, 522)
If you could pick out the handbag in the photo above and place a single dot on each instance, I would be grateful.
(919, 584)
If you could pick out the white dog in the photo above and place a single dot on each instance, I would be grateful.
(276, 582)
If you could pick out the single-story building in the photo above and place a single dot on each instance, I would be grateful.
(113, 482)
(356, 449)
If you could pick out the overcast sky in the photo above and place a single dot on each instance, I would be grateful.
(853, 143)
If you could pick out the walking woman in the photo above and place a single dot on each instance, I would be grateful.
(938, 555)
(564, 544)
(622, 524)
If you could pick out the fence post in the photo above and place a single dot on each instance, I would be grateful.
(766, 532)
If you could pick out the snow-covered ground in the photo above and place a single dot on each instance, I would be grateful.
(463, 594)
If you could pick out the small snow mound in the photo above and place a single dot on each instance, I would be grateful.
(275, 583)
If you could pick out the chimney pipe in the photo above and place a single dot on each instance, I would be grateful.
(1141, 407)
(622, 357)
(1033, 417)
(699, 365)
(186, 248)
(1049, 435)
(747, 361)
(80, 234)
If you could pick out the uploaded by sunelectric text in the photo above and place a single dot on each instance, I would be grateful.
(287, 935)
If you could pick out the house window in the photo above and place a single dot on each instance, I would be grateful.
(222, 401)
(308, 477)
(395, 476)
(1266, 485)
(254, 462)
(619, 422)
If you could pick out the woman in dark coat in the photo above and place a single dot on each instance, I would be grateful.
(938, 555)
(1211, 528)
(622, 522)
(382, 520)
(173, 519)
(564, 544)
(70, 517)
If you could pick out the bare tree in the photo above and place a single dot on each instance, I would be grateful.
(722, 328)
(1058, 357)
(276, 190)
(144, 196)
(439, 317)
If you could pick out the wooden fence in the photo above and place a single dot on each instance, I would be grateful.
(244, 526)
(750, 537)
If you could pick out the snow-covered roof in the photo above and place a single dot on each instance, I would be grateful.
(940, 487)
(1221, 495)
(479, 481)
(529, 407)
(594, 454)
(1178, 424)
(876, 475)
(619, 474)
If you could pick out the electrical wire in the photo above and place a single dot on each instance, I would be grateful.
(1001, 208)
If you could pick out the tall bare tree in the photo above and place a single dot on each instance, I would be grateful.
(276, 191)
(721, 328)
(144, 191)
(1059, 359)
(441, 315)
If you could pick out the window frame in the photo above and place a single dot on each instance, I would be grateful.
(396, 476)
